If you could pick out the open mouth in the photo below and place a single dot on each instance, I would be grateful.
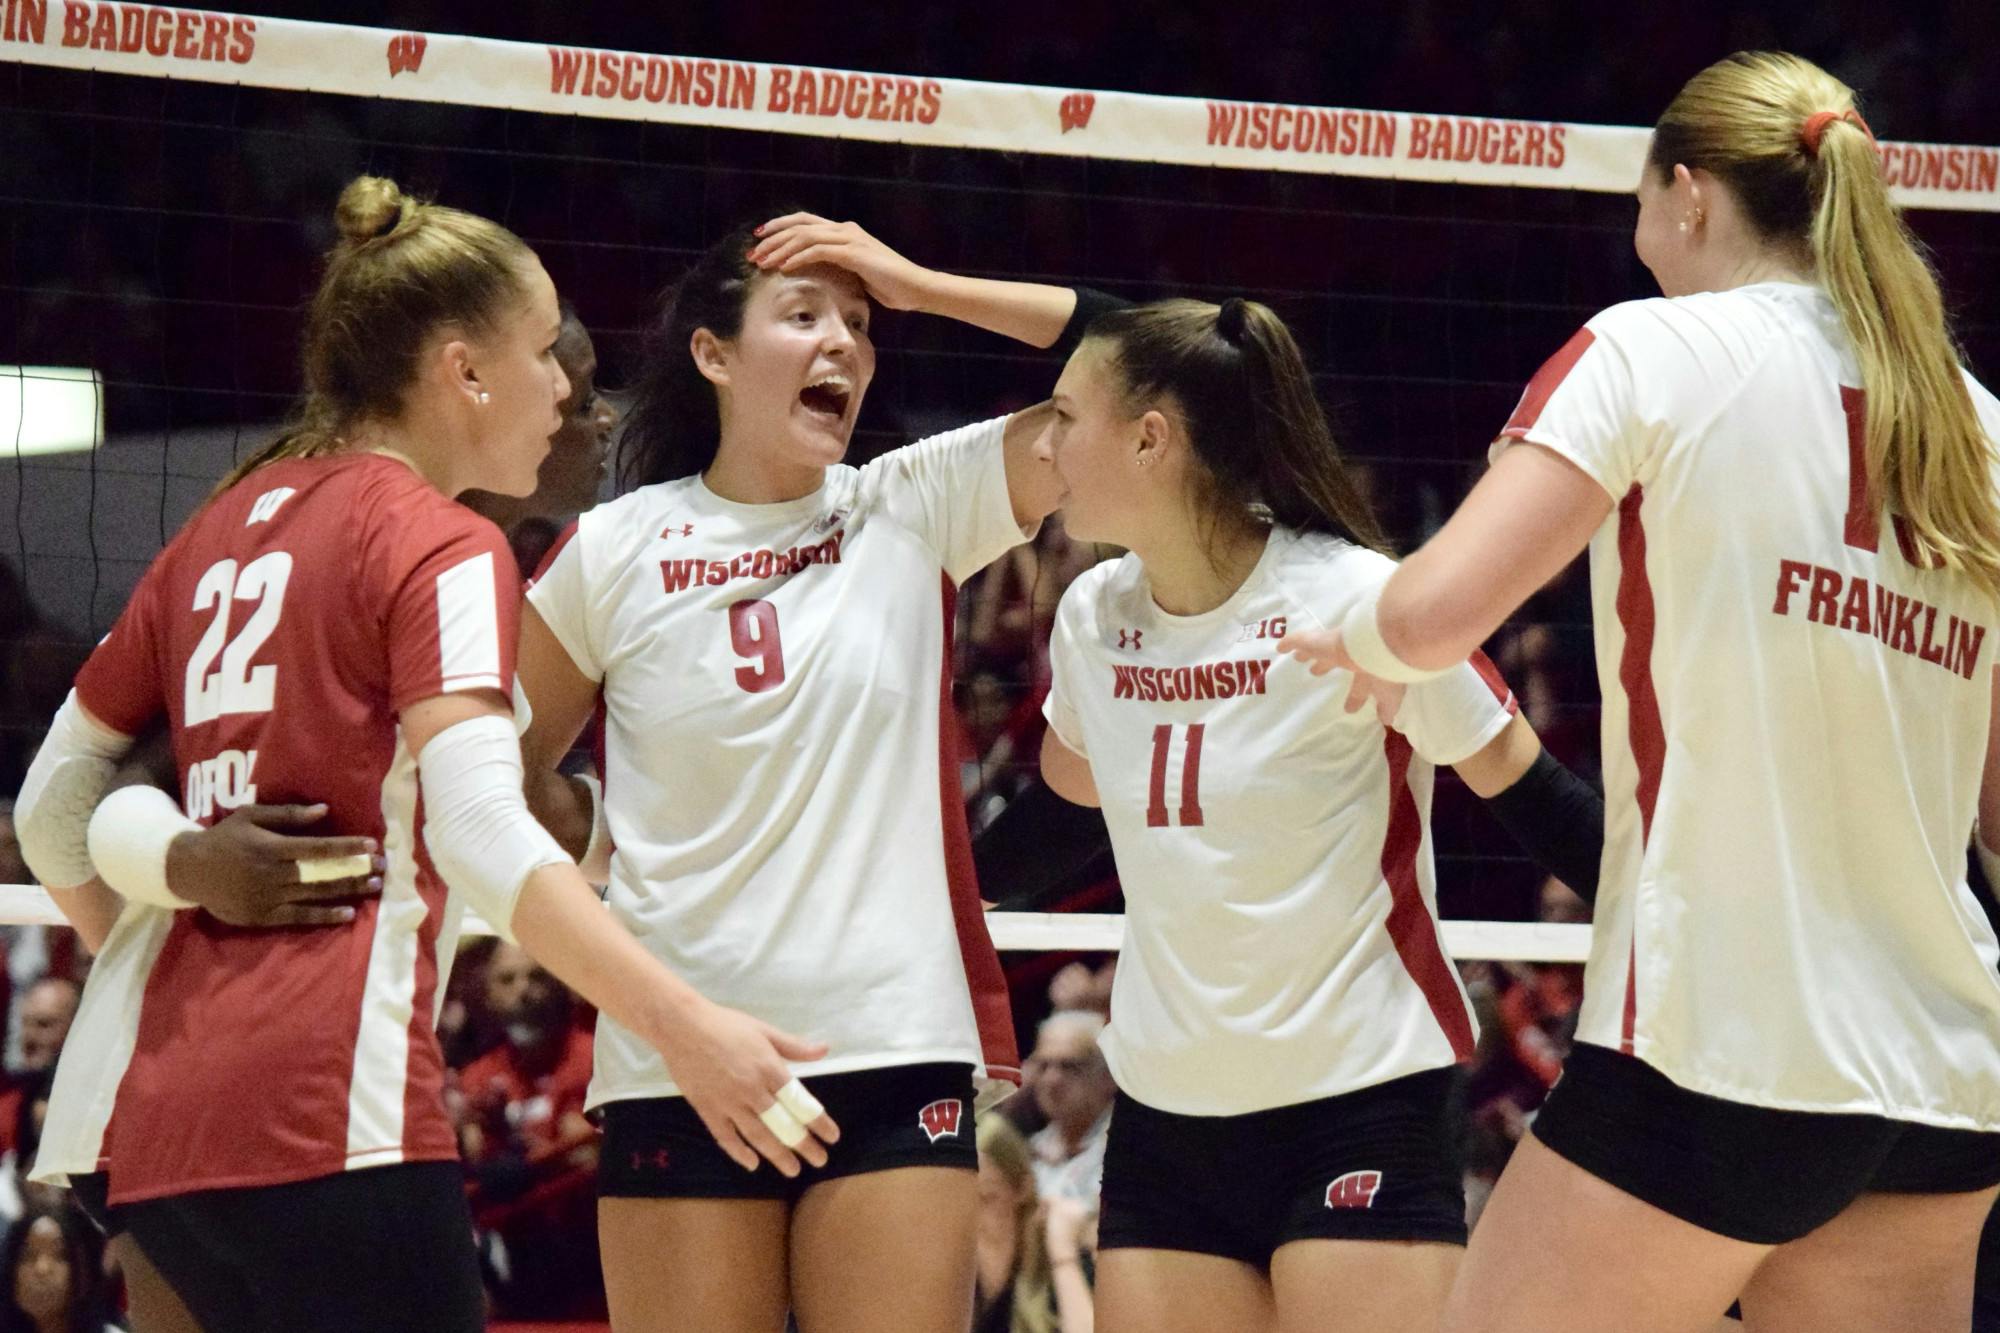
(828, 397)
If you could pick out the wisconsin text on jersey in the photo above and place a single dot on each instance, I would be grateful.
(1209, 680)
(762, 563)
(1846, 603)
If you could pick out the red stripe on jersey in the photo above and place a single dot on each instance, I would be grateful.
(1864, 527)
(1543, 386)
(1635, 673)
(1496, 682)
(549, 556)
(1411, 927)
(1635, 667)
(991, 1006)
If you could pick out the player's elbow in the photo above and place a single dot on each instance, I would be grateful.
(477, 827)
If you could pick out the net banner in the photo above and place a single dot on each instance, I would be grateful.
(151, 40)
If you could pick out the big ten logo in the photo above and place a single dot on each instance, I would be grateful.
(1274, 628)
(226, 781)
(1075, 111)
(406, 53)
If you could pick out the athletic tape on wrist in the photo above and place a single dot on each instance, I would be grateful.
(1361, 635)
(129, 838)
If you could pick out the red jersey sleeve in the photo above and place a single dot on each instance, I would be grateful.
(453, 607)
(120, 685)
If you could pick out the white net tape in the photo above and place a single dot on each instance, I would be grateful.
(1513, 941)
(152, 41)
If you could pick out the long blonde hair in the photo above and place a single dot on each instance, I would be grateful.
(1745, 120)
(1034, 1287)
(402, 270)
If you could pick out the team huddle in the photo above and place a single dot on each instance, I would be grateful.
(1785, 1094)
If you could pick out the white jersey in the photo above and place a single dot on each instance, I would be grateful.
(790, 838)
(1795, 720)
(1281, 938)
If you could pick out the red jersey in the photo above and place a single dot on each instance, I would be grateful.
(514, 1103)
(281, 633)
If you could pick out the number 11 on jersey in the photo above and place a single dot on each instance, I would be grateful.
(1156, 803)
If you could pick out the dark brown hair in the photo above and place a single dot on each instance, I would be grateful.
(676, 422)
(1242, 391)
(403, 270)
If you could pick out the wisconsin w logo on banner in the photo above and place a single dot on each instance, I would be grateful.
(406, 53)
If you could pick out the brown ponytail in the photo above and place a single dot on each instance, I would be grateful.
(402, 270)
(1246, 399)
(1784, 135)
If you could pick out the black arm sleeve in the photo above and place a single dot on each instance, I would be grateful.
(1558, 819)
(1090, 303)
(1038, 847)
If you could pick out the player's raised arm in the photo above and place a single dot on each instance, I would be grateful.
(1030, 312)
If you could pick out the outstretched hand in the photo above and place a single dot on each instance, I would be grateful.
(800, 240)
(1322, 651)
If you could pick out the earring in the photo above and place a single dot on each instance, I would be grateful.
(486, 397)
(1684, 226)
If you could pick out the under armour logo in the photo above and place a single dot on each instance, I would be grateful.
(684, 530)
(1129, 638)
(655, 1160)
(1356, 1189)
(1076, 109)
(831, 521)
(406, 53)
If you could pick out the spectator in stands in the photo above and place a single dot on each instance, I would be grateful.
(1073, 1087)
(47, 1010)
(524, 1098)
(1034, 1270)
(530, 1151)
(50, 1276)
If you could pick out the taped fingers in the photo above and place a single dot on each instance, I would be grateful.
(784, 1126)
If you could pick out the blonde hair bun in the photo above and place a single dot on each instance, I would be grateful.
(369, 207)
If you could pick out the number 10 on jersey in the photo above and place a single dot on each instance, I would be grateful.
(1157, 815)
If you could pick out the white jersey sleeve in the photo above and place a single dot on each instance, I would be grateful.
(1066, 667)
(1616, 394)
(1452, 717)
(562, 596)
(950, 490)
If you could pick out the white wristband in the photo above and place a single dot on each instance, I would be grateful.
(596, 862)
(129, 837)
(1361, 635)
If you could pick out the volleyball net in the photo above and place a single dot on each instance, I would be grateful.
(167, 179)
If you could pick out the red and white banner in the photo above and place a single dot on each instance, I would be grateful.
(154, 41)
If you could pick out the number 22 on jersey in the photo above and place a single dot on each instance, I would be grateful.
(235, 686)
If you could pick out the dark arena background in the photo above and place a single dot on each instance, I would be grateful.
(1433, 196)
